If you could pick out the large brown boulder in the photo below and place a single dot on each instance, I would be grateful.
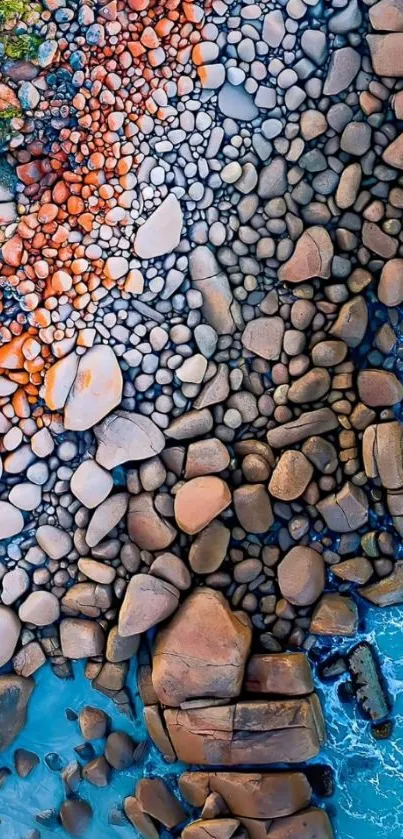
(252, 795)
(203, 650)
(248, 733)
(15, 692)
(211, 829)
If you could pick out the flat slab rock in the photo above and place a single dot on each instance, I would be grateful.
(283, 674)
(369, 691)
(248, 733)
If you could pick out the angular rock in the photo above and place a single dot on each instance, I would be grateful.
(334, 615)
(140, 821)
(95, 390)
(301, 576)
(172, 569)
(264, 337)
(162, 231)
(287, 674)
(119, 750)
(156, 730)
(202, 652)
(343, 67)
(382, 448)
(156, 799)
(41, 608)
(388, 591)
(357, 570)
(218, 303)
(260, 732)
(346, 510)
(127, 436)
(352, 321)
(310, 824)
(199, 501)
(106, 517)
(312, 257)
(91, 484)
(81, 638)
(211, 829)
(75, 815)
(93, 722)
(15, 692)
(146, 527)
(148, 601)
(387, 54)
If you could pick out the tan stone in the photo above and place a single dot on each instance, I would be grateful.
(388, 591)
(291, 476)
(156, 799)
(334, 615)
(199, 501)
(211, 829)
(146, 527)
(148, 601)
(379, 388)
(206, 457)
(202, 651)
(264, 337)
(253, 508)
(287, 674)
(387, 55)
(393, 154)
(301, 576)
(81, 638)
(209, 549)
(308, 423)
(382, 448)
(138, 819)
(156, 730)
(390, 288)
(356, 570)
(310, 387)
(312, 257)
(346, 510)
(310, 824)
(387, 15)
(351, 323)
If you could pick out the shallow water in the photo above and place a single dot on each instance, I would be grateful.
(368, 799)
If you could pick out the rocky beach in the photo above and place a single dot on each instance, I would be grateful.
(201, 424)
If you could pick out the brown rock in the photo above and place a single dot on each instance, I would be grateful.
(29, 659)
(209, 549)
(121, 649)
(203, 650)
(393, 154)
(374, 238)
(291, 476)
(311, 387)
(322, 454)
(388, 591)
(25, 762)
(301, 576)
(310, 422)
(346, 510)
(349, 185)
(390, 288)
(97, 772)
(119, 750)
(75, 815)
(328, 353)
(387, 15)
(157, 801)
(199, 501)
(261, 732)
(211, 829)
(382, 449)
(334, 615)
(146, 527)
(206, 457)
(253, 508)
(15, 692)
(156, 730)
(148, 601)
(81, 638)
(286, 674)
(312, 257)
(251, 795)
(169, 567)
(264, 337)
(93, 723)
(138, 819)
(356, 570)
(310, 824)
(352, 321)
(191, 424)
(379, 388)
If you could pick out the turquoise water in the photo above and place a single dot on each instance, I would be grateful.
(367, 804)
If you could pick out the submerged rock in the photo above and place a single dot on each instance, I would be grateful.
(370, 694)
(15, 693)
